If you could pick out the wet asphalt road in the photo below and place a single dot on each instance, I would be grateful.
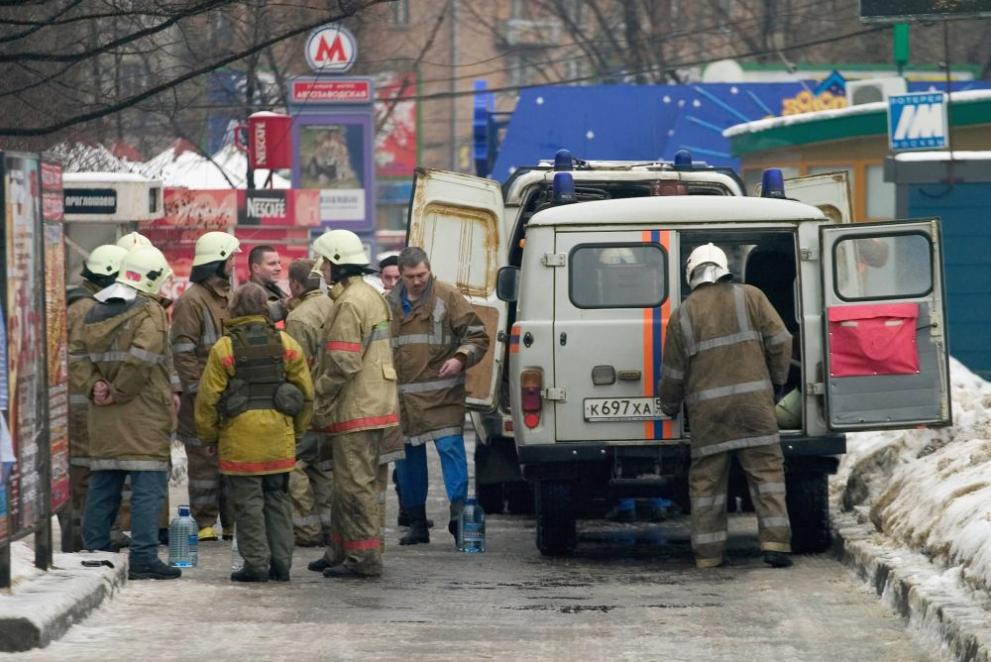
(631, 592)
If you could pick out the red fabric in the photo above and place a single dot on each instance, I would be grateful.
(341, 346)
(367, 422)
(253, 468)
(873, 339)
(356, 545)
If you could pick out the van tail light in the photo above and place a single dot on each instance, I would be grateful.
(531, 383)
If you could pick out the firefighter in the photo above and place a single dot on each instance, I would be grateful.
(99, 271)
(310, 480)
(436, 337)
(265, 266)
(121, 361)
(197, 322)
(726, 358)
(355, 406)
(256, 399)
(133, 240)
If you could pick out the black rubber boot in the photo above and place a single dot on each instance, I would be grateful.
(457, 507)
(319, 565)
(777, 559)
(153, 570)
(278, 571)
(418, 531)
(245, 574)
(405, 520)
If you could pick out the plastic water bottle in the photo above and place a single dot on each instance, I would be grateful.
(237, 561)
(183, 540)
(471, 527)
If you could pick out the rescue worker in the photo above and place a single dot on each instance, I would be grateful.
(121, 360)
(355, 406)
(99, 271)
(197, 322)
(436, 337)
(265, 266)
(310, 482)
(256, 399)
(133, 240)
(726, 358)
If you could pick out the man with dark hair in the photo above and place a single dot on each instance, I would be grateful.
(310, 481)
(265, 266)
(436, 336)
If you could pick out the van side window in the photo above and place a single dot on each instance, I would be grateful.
(892, 266)
(618, 275)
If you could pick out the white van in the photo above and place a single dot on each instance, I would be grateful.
(589, 300)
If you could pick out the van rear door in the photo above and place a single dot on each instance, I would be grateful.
(611, 304)
(457, 220)
(884, 325)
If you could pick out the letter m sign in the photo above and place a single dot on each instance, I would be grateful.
(917, 121)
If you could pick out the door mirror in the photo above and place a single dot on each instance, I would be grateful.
(508, 283)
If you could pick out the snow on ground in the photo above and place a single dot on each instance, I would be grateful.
(929, 489)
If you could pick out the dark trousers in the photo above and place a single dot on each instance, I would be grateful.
(149, 490)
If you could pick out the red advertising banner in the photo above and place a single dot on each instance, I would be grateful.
(52, 202)
(270, 140)
(395, 125)
(58, 366)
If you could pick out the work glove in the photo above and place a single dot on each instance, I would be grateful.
(306, 448)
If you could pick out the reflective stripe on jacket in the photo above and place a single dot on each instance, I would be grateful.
(355, 380)
(126, 345)
(726, 347)
(197, 324)
(441, 324)
(258, 441)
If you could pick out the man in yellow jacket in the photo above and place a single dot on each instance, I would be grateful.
(356, 403)
(255, 398)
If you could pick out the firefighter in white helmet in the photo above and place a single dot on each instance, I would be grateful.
(197, 323)
(355, 386)
(120, 361)
(133, 240)
(726, 358)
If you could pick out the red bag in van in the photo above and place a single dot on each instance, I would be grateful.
(878, 339)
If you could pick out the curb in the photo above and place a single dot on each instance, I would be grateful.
(43, 608)
(946, 615)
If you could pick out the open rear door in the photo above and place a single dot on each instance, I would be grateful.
(829, 191)
(457, 220)
(884, 329)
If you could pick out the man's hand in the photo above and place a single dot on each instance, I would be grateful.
(102, 395)
(451, 368)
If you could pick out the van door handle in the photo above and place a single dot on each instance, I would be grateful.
(628, 375)
(563, 338)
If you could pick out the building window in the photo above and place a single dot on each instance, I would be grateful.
(400, 14)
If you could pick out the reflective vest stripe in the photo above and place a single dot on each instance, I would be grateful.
(367, 421)
(435, 385)
(356, 545)
(267, 465)
(341, 346)
(727, 391)
(735, 444)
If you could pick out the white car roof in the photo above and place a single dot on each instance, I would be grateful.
(677, 209)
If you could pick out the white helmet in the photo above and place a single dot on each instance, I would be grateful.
(144, 269)
(133, 240)
(105, 260)
(707, 255)
(215, 247)
(341, 247)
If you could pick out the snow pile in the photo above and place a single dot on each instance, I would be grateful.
(930, 489)
(182, 165)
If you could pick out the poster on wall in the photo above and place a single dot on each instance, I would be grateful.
(27, 385)
(395, 124)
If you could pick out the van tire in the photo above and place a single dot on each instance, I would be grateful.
(808, 510)
(490, 498)
(519, 498)
(556, 531)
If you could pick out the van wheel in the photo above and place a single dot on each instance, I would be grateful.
(808, 511)
(519, 498)
(556, 531)
(490, 498)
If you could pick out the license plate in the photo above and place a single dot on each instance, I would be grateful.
(623, 409)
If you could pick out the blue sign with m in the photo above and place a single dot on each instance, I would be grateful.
(917, 121)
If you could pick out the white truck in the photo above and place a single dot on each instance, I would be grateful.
(585, 281)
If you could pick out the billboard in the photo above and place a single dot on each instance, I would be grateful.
(395, 124)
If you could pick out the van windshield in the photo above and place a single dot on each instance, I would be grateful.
(618, 275)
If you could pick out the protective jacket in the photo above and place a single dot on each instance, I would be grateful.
(726, 348)
(307, 323)
(355, 381)
(197, 323)
(80, 300)
(260, 440)
(125, 343)
(278, 302)
(440, 325)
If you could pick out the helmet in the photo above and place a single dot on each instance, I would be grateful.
(340, 247)
(215, 247)
(706, 254)
(105, 260)
(133, 240)
(144, 269)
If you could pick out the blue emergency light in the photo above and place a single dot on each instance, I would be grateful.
(682, 160)
(772, 184)
(564, 187)
(564, 161)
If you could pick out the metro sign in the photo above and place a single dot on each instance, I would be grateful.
(331, 49)
(917, 121)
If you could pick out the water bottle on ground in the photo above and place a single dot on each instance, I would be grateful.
(183, 540)
(471, 527)
(237, 561)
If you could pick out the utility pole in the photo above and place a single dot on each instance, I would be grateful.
(452, 13)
